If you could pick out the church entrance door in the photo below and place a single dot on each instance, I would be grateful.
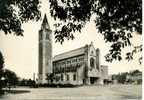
(93, 80)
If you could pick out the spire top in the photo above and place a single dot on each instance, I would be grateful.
(45, 23)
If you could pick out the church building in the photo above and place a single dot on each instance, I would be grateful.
(79, 66)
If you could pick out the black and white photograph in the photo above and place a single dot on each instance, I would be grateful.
(71, 50)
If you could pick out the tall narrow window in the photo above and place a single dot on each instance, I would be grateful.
(92, 62)
(74, 77)
(61, 77)
(47, 36)
(67, 77)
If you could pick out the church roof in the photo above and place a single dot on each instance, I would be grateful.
(45, 22)
(72, 53)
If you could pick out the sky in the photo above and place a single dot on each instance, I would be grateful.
(21, 53)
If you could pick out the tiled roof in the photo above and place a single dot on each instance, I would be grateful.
(69, 54)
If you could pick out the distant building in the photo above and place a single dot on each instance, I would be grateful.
(79, 66)
(135, 79)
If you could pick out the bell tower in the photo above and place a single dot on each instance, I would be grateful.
(45, 51)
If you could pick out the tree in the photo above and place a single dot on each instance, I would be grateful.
(1, 61)
(116, 20)
(50, 77)
(135, 72)
(31, 83)
(1, 71)
(15, 12)
(121, 77)
(23, 82)
(10, 78)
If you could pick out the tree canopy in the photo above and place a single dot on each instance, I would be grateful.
(15, 12)
(10, 77)
(116, 20)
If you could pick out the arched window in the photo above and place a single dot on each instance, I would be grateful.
(47, 36)
(92, 62)
(92, 52)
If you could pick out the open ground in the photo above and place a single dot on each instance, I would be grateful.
(107, 92)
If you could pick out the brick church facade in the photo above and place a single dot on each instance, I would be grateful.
(79, 66)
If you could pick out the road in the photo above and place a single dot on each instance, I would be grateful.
(109, 92)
